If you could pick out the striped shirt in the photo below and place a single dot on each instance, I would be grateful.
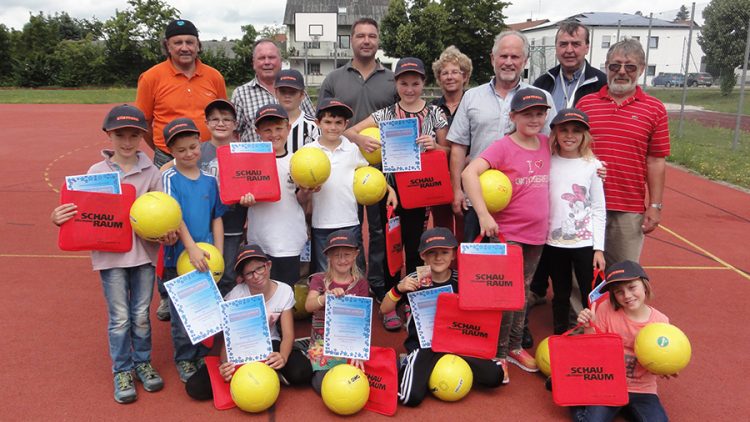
(624, 136)
(248, 99)
(303, 131)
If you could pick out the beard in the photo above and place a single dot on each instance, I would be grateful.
(621, 88)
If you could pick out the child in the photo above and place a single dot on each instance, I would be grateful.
(437, 247)
(278, 227)
(433, 128)
(577, 213)
(342, 277)
(198, 195)
(290, 91)
(524, 157)
(626, 313)
(253, 270)
(127, 278)
(334, 205)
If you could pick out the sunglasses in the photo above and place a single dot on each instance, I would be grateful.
(615, 67)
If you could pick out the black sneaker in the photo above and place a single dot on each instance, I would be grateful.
(124, 388)
(149, 377)
(527, 342)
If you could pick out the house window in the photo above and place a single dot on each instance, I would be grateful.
(344, 42)
(313, 68)
(312, 44)
(606, 39)
(637, 38)
(653, 42)
(651, 70)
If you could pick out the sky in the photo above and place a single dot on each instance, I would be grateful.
(216, 19)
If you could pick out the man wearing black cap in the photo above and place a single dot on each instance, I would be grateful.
(180, 86)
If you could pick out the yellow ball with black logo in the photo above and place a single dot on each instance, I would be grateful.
(374, 157)
(154, 214)
(345, 389)
(369, 185)
(496, 190)
(254, 387)
(309, 167)
(215, 262)
(542, 357)
(451, 378)
(662, 348)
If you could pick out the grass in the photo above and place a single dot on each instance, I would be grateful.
(708, 98)
(708, 151)
(66, 96)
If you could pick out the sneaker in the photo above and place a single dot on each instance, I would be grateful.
(523, 360)
(124, 388)
(407, 312)
(302, 343)
(536, 300)
(391, 321)
(283, 380)
(149, 377)
(186, 369)
(504, 366)
(162, 312)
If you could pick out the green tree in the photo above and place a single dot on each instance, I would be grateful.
(6, 56)
(243, 61)
(723, 37)
(472, 27)
(683, 14)
(79, 62)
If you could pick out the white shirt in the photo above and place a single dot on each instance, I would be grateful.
(281, 300)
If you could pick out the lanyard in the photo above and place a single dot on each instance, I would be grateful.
(564, 86)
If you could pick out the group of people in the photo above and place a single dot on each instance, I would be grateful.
(583, 150)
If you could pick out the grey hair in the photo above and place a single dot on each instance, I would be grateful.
(629, 47)
(522, 37)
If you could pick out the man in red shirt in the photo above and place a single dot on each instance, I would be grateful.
(631, 134)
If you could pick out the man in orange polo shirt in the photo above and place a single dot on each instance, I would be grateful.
(180, 86)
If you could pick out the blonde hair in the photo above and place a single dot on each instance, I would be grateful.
(584, 149)
(355, 272)
(646, 288)
(453, 55)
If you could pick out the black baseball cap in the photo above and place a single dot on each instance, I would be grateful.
(409, 64)
(571, 115)
(338, 238)
(527, 98)
(290, 78)
(331, 103)
(437, 237)
(180, 27)
(249, 252)
(220, 104)
(177, 126)
(125, 115)
(270, 110)
(624, 271)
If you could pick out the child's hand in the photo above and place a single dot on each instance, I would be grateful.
(275, 360)
(427, 142)
(357, 363)
(226, 370)
(392, 200)
(599, 261)
(370, 144)
(459, 204)
(247, 200)
(170, 238)
(602, 171)
(488, 226)
(308, 191)
(63, 213)
(198, 258)
(586, 317)
(408, 284)
(338, 292)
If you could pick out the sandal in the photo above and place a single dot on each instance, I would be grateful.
(391, 321)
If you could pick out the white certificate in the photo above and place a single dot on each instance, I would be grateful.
(423, 307)
(246, 332)
(197, 301)
(399, 145)
(96, 182)
(347, 327)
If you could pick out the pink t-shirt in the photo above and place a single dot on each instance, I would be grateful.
(525, 218)
(610, 321)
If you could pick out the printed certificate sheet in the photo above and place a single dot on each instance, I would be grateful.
(423, 307)
(246, 332)
(400, 149)
(197, 301)
(347, 327)
(97, 182)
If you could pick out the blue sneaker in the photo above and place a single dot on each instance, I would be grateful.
(149, 377)
(124, 388)
(186, 369)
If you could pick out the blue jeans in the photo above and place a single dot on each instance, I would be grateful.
(318, 259)
(184, 349)
(643, 407)
(128, 292)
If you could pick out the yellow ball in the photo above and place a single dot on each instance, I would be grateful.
(542, 357)
(375, 156)
(369, 185)
(155, 214)
(254, 387)
(451, 378)
(300, 296)
(310, 167)
(496, 190)
(215, 262)
(345, 389)
(662, 348)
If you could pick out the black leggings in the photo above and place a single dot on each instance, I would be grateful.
(562, 262)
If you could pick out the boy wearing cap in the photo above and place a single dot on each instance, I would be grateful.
(437, 247)
(127, 278)
(278, 227)
(198, 195)
(290, 92)
(334, 205)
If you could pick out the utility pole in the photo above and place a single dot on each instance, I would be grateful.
(741, 106)
(648, 48)
(687, 64)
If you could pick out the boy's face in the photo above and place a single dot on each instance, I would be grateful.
(221, 124)
(186, 150)
(125, 141)
(331, 127)
(630, 295)
(275, 131)
(439, 259)
(289, 98)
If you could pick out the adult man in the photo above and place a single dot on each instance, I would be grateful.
(631, 134)
(180, 86)
(573, 78)
(253, 95)
(365, 86)
(484, 116)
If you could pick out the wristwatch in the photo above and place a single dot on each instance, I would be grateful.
(657, 205)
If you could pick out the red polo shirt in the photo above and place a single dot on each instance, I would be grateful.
(624, 135)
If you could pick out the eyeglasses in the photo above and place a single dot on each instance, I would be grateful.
(451, 73)
(615, 67)
(256, 272)
(216, 121)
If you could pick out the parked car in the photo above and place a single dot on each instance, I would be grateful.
(700, 79)
(668, 79)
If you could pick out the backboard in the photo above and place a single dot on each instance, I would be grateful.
(315, 27)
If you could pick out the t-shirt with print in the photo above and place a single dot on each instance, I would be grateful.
(315, 352)
(234, 218)
(281, 300)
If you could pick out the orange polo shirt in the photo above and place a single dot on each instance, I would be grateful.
(165, 93)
